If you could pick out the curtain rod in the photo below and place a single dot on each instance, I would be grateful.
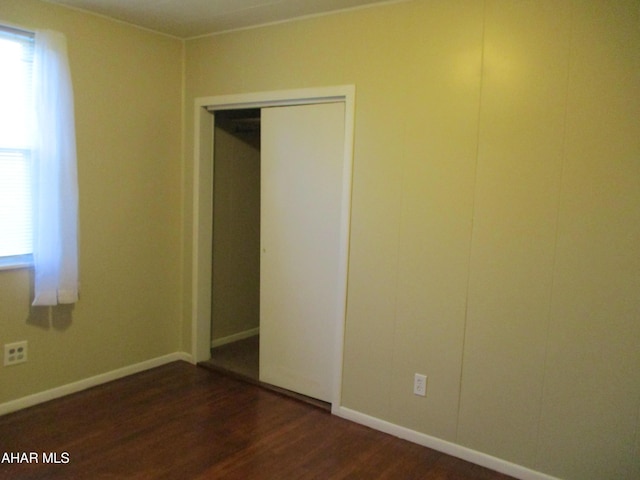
(17, 31)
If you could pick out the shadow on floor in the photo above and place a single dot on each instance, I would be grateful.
(241, 357)
(241, 360)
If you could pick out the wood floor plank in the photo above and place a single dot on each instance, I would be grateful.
(183, 422)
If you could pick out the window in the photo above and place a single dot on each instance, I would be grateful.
(16, 62)
(38, 173)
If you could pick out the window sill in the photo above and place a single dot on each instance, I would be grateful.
(16, 261)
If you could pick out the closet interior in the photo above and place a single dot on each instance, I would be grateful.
(235, 309)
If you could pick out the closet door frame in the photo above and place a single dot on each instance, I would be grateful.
(202, 214)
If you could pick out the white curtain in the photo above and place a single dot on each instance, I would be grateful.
(55, 248)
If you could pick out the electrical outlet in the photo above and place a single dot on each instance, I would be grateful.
(420, 385)
(15, 353)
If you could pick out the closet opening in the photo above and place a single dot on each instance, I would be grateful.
(235, 292)
(302, 141)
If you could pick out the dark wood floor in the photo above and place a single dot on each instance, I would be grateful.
(182, 422)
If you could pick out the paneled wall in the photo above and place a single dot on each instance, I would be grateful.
(495, 235)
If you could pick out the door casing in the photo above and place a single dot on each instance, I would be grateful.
(203, 208)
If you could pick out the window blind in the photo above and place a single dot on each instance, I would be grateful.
(16, 100)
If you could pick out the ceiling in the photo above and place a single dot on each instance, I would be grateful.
(191, 18)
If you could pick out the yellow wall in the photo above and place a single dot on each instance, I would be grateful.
(128, 87)
(495, 237)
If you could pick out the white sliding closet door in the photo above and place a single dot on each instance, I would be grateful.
(302, 149)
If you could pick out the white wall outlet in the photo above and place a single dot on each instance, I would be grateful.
(15, 353)
(420, 385)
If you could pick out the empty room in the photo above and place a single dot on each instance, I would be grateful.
(423, 216)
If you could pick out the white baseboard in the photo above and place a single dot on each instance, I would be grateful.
(41, 397)
(235, 337)
(443, 446)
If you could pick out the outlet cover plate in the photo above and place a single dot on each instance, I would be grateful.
(15, 353)
(420, 385)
